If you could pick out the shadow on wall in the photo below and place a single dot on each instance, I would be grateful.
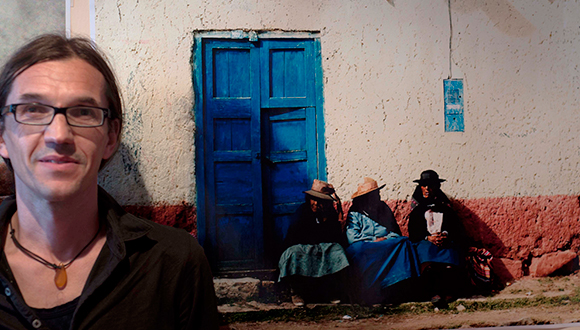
(124, 181)
(477, 229)
(501, 13)
(482, 236)
(122, 177)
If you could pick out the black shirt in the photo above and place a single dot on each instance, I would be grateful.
(451, 222)
(59, 317)
(147, 276)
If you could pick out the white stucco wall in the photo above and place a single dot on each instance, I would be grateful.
(384, 63)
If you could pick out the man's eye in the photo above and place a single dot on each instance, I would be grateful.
(33, 108)
(82, 112)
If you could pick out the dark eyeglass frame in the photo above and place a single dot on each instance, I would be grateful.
(107, 113)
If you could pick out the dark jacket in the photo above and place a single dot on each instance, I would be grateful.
(304, 229)
(147, 276)
(451, 222)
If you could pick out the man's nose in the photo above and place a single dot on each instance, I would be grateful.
(58, 131)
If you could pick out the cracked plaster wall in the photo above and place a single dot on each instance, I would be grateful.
(383, 65)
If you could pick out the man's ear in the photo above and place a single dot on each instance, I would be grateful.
(3, 150)
(113, 139)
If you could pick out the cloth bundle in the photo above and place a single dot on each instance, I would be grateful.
(479, 267)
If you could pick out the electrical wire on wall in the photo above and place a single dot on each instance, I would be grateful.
(450, 40)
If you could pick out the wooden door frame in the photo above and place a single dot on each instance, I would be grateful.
(198, 106)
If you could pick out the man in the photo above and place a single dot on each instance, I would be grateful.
(71, 257)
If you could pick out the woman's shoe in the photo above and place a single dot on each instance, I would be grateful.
(439, 302)
(297, 300)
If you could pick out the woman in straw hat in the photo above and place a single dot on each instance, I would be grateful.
(380, 257)
(439, 237)
(314, 257)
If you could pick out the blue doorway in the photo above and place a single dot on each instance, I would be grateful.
(259, 142)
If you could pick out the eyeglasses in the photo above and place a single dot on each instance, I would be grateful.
(41, 114)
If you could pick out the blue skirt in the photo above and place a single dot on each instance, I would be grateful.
(378, 265)
(431, 253)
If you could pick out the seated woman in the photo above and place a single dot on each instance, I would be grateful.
(439, 237)
(380, 257)
(314, 257)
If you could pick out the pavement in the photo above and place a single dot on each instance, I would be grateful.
(245, 296)
(565, 326)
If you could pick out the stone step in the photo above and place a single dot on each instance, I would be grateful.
(234, 290)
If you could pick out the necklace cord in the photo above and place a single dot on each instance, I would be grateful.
(44, 261)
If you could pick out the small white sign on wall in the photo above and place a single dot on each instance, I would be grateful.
(453, 95)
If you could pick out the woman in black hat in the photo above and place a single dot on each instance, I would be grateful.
(439, 238)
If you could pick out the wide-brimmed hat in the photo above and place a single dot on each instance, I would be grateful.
(429, 177)
(321, 189)
(366, 187)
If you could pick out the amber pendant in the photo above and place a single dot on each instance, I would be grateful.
(60, 277)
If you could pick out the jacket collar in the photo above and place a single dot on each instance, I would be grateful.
(7, 209)
(122, 227)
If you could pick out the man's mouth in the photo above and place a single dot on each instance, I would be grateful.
(55, 161)
(58, 160)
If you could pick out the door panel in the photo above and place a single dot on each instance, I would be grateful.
(230, 75)
(288, 77)
(232, 134)
(287, 73)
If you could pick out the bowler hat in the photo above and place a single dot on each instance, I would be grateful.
(429, 177)
(321, 189)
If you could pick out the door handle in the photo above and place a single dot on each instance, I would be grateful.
(268, 161)
(265, 159)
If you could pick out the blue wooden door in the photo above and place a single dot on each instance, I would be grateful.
(259, 148)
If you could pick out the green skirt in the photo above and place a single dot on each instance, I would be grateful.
(314, 260)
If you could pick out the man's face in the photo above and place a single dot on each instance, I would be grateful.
(57, 161)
